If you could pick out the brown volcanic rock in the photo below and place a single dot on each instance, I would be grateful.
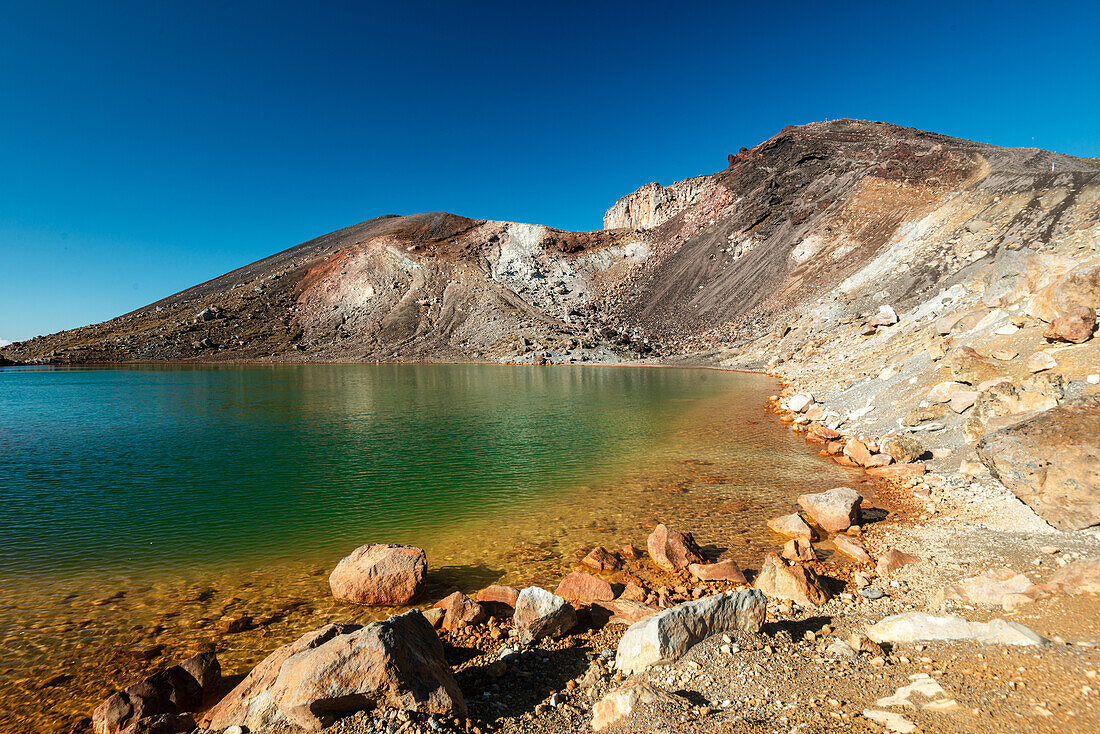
(1076, 326)
(798, 583)
(1052, 462)
(380, 575)
(158, 701)
(672, 550)
(585, 588)
(600, 559)
(499, 594)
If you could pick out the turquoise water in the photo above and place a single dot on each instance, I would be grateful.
(140, 506)
(157, 467)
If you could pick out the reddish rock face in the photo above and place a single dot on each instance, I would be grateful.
(835, 510)
(727, 570)
(823, 433)
(1052, 462)
(797, 583)
(459, 608)
(585, 588)
(500, 594)
(157, 700)
(852, 548)
(857, 451)
(600, 559)
(380, 575)
(672, 550)
(897, 471)
(792, 526)
(1075, 327)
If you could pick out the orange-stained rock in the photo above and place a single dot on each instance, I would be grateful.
(799, 549)
(823, 432)
(852, 548)
(892, 560)
(727, 570)
(835, 510)
(585, 588)
(626, 611)
(380, 575)
(672, 550)
(798, 583)
(600, 559)
(457, 608)
(1075, 326)
(792, 526)
(499, 593)
(897, 471)
(857, 451)
(629, 552)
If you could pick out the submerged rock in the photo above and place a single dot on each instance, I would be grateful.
(380, 575)
(665, 637)
(163, 700)
(917, 626)
(542, 614)
(672, 550)
(792, 526)
(600, 559)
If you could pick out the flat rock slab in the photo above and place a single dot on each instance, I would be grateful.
(585, 588)
(919, 626)
(665, 637)
(1052, 462)
(727, 570)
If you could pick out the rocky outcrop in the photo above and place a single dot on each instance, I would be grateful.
(672, 550)
(665, 637)
(380, 575)
(654, 204)
(164, 700)
(1052, 462)
(396, 663)
(542, 614)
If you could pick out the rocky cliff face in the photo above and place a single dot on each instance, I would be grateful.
(653, 205)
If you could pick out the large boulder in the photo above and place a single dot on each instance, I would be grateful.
(379, 574)
(918, 626)
(797, 583)
(1052, 462)
(835, 510)
(499, 594)
(542, 614)
(161, 699)
(672, 550)
(584, 588)
(665, 637)
(396, 663)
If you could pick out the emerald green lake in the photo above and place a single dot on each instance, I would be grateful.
(143, 506)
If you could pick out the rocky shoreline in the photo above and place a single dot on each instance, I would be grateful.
(855, 599)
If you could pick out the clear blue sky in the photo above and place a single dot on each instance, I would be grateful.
(148, 146)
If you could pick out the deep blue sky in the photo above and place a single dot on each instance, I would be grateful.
(147, 146)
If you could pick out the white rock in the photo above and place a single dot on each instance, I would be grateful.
(621, 702)
(1006, 330)
(800, 402)
(892, 721)
(1040, 361)
(1093, 379)
(914, 626)
(665, 637)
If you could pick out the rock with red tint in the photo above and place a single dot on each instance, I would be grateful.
(499, 594)
(629, 552)
(459, 611)
(880, 460)
(248, 704)
(792, 526)
(823, 433)
(164, 696)
(380, 575)
(584, 588)
(542, 614)
(892, 560)
(835, 510)
(600, 559)
(672, 550)
(799, 549)
(857, 451)
(1076, 326)
(897, 471)
(625, 611)
(799, 584)
(1051, 461)
(1079, 577)
(852, 548)
(726, 570)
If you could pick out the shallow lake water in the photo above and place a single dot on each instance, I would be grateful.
(141, 508)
